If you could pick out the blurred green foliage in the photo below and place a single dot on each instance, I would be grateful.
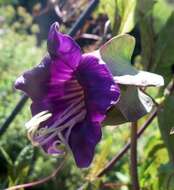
(20, 162)
(7, 2)
(18, 19)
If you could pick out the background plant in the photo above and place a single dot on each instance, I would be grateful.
(152, 23)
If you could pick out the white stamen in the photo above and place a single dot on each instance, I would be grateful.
(75, 113)
(55, 129)
(34, 123)
(37, 119)
(76, 119)
(75, 110)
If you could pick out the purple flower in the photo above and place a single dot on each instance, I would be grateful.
(71, 93)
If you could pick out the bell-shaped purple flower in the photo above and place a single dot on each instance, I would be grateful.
(71, 93)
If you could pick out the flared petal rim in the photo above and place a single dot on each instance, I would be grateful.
(83, 139)
(62, 46)
(77, 90)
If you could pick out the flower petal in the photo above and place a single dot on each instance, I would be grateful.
(33, 82)
(63, 47)
(83, 139)
(49, 81)
(101, 92)
(52, 85)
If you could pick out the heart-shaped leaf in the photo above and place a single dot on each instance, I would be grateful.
(117, 53)
(133, 103)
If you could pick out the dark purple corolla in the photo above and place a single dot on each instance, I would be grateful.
(71, 93)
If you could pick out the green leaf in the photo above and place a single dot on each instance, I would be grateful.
(144, 7)
(161, 12)
(133, 105)
(127, 13)
(6, 156)
(21, 176)
(166, 122)
(117, 54)
(166, 176)
(24, 158)
(122, 177)
(121, 14)
(144, 13)
(108, 7)
(164, 56)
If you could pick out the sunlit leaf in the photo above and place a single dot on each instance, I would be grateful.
(109, 7)
(122, 177)
(127, 14)
(117, 54)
